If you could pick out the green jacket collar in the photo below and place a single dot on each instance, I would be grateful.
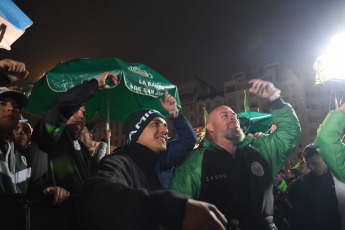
(209, 144)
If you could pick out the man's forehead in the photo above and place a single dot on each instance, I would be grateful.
(160, 119)
(224, 109)
(8, 99)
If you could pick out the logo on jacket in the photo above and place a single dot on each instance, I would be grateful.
(257, 169)
(24, 160)
(76, 145)
(215, 177)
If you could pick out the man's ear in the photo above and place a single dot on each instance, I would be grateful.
(209, 128)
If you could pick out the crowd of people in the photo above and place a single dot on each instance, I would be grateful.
(52, 177)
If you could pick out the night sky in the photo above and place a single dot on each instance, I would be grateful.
(178, 39)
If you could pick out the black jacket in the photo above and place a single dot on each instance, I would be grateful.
(60, 159)
(126, 194)
(314, 203)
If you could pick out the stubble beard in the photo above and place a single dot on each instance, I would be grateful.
(235, 135)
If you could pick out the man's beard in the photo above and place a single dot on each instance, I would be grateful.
(235, 135)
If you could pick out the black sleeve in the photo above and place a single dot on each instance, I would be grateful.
(49, 130)
(110, 200)
(4, 80)
(277, 103)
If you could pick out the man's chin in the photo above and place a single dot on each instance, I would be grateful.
(75, 128)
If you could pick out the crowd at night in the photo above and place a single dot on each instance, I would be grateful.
(229, 174)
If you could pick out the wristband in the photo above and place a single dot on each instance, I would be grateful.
(175, 114)
(275, 95)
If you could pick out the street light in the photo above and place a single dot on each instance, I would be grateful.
(330, 67)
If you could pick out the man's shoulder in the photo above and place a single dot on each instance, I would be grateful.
(194, 157)
(197, 152)
(118, 157)
(301, 181)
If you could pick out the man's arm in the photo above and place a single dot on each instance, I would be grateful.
(50, 128)
(329, 142)
(110, 200)
(187, 177)
(186, 139)
(277, 146)
(184, 142)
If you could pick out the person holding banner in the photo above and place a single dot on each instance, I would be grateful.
(59, 158)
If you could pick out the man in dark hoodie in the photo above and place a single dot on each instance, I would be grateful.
(58, 157)
(125, 192)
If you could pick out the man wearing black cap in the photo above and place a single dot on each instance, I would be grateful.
(15, 168)
(125, 192)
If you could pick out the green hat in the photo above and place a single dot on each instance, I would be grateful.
(136, 123)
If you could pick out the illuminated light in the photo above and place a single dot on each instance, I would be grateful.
(331, 65)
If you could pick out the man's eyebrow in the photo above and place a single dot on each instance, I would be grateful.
(159, 120)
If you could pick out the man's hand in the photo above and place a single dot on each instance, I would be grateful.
(264, 89)
(15, 69)
(169, 103)
(202, 215)
(106, 76)
(256, 135)
(59, 194)
(342, 108)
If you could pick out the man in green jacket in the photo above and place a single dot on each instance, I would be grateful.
(234, 171)
(329, 142)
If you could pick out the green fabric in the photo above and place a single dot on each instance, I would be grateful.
(139, 87)
(282, 186)
(328, 143)
(275, 148)
(187, 178)
(255, 121)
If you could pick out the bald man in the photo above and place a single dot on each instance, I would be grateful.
(235, 172)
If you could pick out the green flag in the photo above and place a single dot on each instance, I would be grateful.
(205, 116)
(246, 106)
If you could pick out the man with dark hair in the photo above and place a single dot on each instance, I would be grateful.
(125, 193)
(281, 183)
(292, 175)
(15, 162)
(59, 158)
(15, 167)
(235, 172)
(318, 198)
(22, 133)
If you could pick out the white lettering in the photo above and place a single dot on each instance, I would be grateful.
(139, 71)
(142, 82)
(137, 88)
(143, 118)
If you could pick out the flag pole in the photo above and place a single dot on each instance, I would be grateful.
(108, 122)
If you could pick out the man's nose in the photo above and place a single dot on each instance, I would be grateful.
(21, 131)
(80, 114)
(164, 129)
(9, 106)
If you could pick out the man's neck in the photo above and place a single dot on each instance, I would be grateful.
(228, 146)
